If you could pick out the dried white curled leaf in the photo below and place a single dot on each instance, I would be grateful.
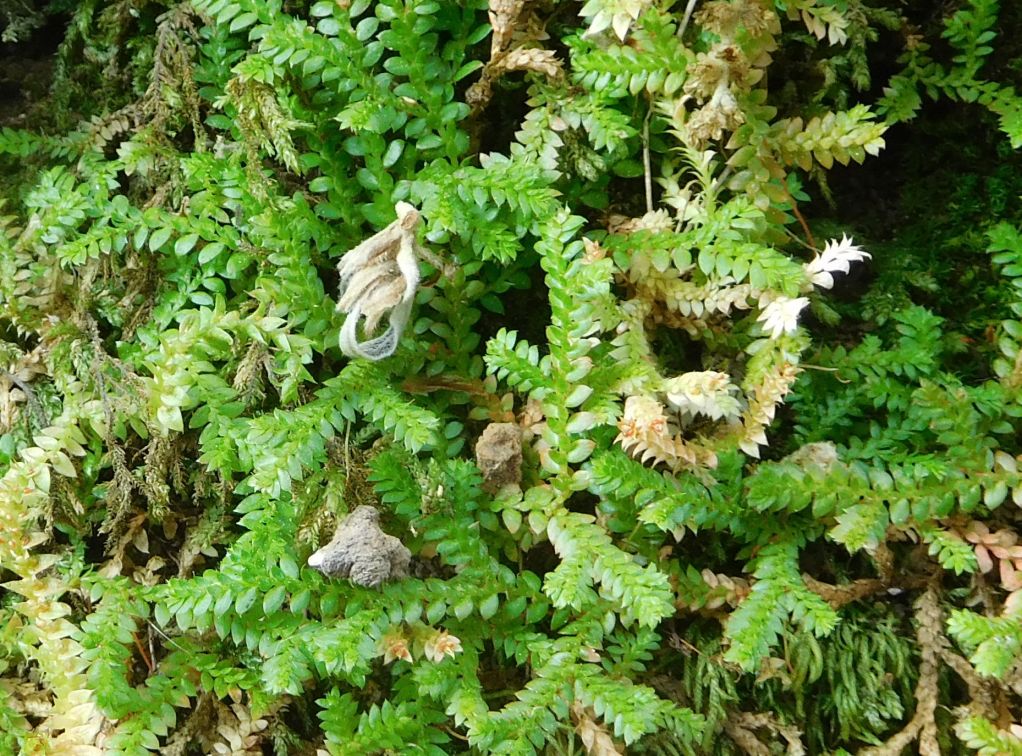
(380, 276)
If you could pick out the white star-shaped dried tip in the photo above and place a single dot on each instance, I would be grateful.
(441, 645)
(781, 315)
(837, 256)
(395, 646)
(378, 277)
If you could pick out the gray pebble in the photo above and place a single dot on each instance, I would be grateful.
(361, 552)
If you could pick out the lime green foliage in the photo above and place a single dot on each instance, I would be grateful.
(748, 512)
(985, 738)
(971, 31)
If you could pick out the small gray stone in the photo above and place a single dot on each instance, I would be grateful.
(499, 456)
(361, 552)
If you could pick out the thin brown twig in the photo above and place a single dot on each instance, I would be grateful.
(166, 638)
(798, 240)
(451, 731)
(982, 693)
(646, 162)
(801, 218)
(142, 652)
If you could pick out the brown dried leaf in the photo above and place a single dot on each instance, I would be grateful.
(503, 15)
(529, 59)
(595, 737)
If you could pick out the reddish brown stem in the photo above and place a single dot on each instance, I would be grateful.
(798, 214)
(143, 654)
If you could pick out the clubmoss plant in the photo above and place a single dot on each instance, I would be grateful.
(266, 264)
